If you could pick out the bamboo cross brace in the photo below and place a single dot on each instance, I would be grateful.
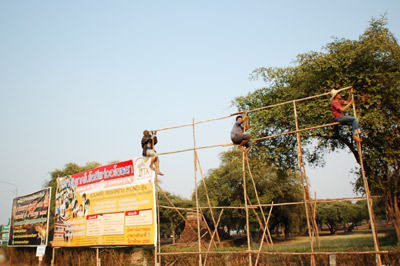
(180, 214)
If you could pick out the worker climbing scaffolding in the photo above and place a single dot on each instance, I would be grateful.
(238, 135)
(338, 112)
(148, 141)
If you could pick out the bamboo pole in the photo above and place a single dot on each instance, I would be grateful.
(276, 204)
(305, 186)
(170, 202)
(208, 228)
(212, 237)
(368, 195)
(291, 101)
(257, 139)
(206, 192)
(196, 193)
(263, 235)
(259, 202)
(157, 248)
(250, 111)
(247, 209)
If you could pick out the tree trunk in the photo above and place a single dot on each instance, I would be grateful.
(393, 211)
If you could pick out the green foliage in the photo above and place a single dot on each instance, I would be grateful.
(372, 66)
(341, 214)
(225, 188)
(171, 223)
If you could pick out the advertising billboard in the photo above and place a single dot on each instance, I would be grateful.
(112, 205)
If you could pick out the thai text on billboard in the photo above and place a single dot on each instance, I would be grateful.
(107, 206)
(29, 219)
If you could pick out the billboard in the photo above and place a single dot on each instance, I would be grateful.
(112, 205)
(29, 219)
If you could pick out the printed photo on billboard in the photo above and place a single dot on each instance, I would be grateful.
(111, 205)
(29, 219)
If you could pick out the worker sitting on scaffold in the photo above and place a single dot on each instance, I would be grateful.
(148, 141)
(338, 112)
(238, 136)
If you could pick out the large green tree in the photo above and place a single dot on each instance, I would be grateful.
(225, 188)
(371, 65)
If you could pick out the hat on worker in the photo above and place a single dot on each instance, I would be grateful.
(333, 93)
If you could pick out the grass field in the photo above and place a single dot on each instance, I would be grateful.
(359, 239)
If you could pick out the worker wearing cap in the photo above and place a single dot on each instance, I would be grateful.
(338, 107)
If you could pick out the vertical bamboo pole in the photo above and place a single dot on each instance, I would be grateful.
(157, 248)
(368, 194)
(97, 257)
(157, 260)
(313, 212)
(304, 184)
(196, 194)
(247, 210)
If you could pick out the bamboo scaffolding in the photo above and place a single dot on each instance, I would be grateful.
(257, 139)
(307, 199)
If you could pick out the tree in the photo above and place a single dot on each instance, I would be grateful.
(371, 65)
(341, 214)
(225, 188)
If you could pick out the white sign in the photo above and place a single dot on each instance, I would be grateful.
(40, 250)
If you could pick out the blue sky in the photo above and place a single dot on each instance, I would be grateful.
(81, 80)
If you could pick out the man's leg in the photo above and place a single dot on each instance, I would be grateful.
(158, 166)
(153, 159)
(245, 153)
(351, 121)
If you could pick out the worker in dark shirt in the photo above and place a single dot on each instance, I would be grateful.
(148, 141)
(237, 134)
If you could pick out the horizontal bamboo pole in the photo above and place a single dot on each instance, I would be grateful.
(274, 204)
(195, 123)
(292, 101)
(263, 138)
(250, 111)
